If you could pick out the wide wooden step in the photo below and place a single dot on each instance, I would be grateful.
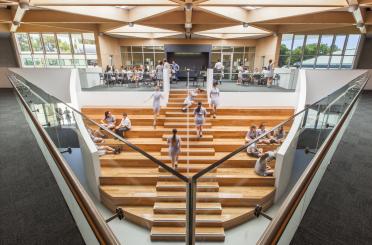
(191, 151)
(191, 137)
(204, 220)
(216, 234)
(181, 186)
(228, 196)
(192, 167)
(180, 208)
(135, 159)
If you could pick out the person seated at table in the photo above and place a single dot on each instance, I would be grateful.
(251, 134)
(109, 121)
(240, 74)
(266, 73)
(253, 151)
(256, 75)
(262, 167)
(124, 126)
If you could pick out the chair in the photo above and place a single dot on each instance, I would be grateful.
(276, 79)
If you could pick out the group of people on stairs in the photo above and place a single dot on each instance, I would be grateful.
(174, 141)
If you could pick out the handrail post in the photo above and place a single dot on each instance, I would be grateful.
(191, 207)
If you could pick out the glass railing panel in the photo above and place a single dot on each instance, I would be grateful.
(116, 167)
(317, 138)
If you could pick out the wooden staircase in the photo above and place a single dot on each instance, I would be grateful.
(155, 199)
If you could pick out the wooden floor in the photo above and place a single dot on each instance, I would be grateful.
(153, 198)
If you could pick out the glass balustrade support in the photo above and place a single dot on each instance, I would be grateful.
(191, 211)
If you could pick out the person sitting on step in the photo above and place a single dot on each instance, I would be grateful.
(105, 149)
(109, 121)
(251, 134)
(267, 139)
(279, 135)
(190, 99)
(261, 167)
(253, 151)
(96, 135)
(124, 126)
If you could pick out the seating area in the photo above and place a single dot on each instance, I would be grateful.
(153, 198)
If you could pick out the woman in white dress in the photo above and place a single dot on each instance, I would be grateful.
(214, 94)
(174, 143)
(156, 96)
(159, 73)
(199, 113)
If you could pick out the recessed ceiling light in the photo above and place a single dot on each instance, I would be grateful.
(251, 7)
(245, 25)
(188, 6)
(131, 24)
(122, 7)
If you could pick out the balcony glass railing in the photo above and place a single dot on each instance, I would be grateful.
(117, 172)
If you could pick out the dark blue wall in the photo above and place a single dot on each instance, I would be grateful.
(191, 56)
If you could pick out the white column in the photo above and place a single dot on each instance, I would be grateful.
(166, 85)
(209, 82)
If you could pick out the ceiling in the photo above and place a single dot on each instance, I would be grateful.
(215, 19)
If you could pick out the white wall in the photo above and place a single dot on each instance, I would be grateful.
(321, 83)
(53, 81)
(251, 99)
(4, 82)
(286, 153)
(369, 84)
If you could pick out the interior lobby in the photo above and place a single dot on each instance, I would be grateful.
(185, 122)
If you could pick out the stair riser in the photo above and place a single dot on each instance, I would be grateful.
(191, 126)
(147, 163)
(184, 153)
(230, 181)
(200, 189)
(175, 223)
(185, 138)
(181, 238)
(191, 169)
(183, 211)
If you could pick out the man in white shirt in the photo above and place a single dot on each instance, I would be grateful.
(219, 70)
(124, 125)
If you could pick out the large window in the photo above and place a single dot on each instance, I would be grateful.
(234, 56)
(142, 55)
(318, 51)
(55, 50)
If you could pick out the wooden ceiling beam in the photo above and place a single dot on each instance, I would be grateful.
(336, 17)
(275, 3)
(102, 12)
(45, 16)
(103, 3)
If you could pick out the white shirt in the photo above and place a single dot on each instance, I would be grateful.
(125, 123)
(218, 66)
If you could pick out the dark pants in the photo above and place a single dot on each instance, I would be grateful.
(121, 131)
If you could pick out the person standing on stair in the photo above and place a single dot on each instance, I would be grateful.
(214, 94)
(159, 73)
(199, 113)
(174, 143)
(156, 96)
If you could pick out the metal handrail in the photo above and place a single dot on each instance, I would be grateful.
(134, 147)
(276, 228)
(100, 229)
(240, 149)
